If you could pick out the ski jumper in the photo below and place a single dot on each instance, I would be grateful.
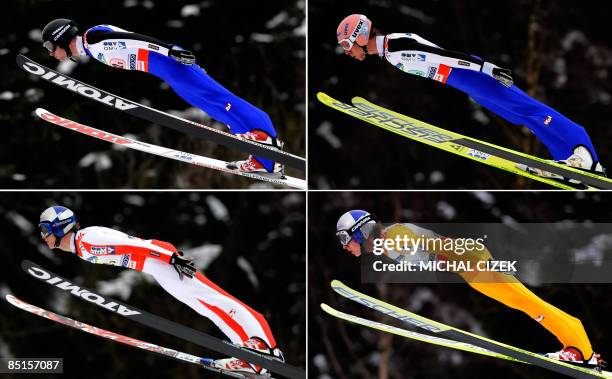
(236, 320)
(472, 75)
(499, 286)
(131, 51)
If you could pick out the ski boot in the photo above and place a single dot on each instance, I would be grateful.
(238, 365)
(573, 355)
(252, 164)
(580, 159)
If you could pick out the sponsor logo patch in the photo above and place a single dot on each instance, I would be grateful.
(432, 72)
(416, 72)
(117, 62)
(443, 73)
(125, 260)
(184, 156)
(102, 58)
(548, 120)
(153, 47)
(478, 154)
(107, 45)
(414, 57)
(132, 59)
(464, 63)
(98, 250)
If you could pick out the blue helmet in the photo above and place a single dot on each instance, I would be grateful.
(56, 220)
(355, 225)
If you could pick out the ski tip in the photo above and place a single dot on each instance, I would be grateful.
(336, 283)
(322, 96)
(40, 111)
(331, 311)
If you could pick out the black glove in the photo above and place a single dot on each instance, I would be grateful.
(183, 265)
(183, 56)
(504, 76)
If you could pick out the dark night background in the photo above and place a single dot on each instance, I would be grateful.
(254, 49)
(261, 244)
(559, 51)
(339, 349)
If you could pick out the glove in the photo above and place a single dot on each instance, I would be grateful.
(503, 75)
(183, 265)
(181, 55)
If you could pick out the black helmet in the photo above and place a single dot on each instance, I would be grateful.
(59, 32)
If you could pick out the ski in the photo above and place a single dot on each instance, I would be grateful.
(413, 335)
(158, 117)
(177, 155)
(467, 147)
(589, 178)
(162, 324)
(206, 363)
(449, 332)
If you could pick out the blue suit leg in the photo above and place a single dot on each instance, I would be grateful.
(197, 88)
(558, 133)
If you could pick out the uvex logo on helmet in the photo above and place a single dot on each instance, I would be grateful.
(357, 29)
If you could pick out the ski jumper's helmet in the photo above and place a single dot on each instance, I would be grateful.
(59, 32)
(355, 225)
(354, 29)
(56, 220)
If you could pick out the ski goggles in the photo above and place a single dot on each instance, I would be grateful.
(45, 229)
(345, 236)
(346, 43)
(50, 46)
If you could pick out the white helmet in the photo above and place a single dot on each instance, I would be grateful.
(355, 225)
